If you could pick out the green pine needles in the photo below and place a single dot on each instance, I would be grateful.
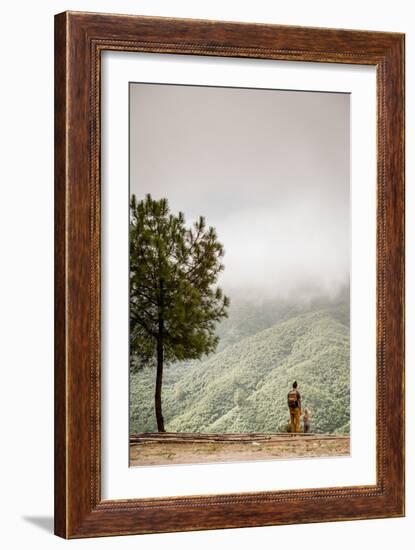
(175, 302)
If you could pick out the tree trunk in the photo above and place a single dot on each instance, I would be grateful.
(159, 379)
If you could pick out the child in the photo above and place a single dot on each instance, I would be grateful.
(306, 420)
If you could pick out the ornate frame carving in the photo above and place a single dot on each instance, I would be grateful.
(79, 40)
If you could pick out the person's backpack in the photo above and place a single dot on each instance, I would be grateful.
(293, 399)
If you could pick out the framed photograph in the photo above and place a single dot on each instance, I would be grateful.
(229, 275)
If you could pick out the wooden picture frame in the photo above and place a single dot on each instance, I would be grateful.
(79, 40)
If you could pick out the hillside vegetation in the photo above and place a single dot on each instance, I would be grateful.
(243, 387)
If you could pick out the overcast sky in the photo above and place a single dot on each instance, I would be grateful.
(268, 169)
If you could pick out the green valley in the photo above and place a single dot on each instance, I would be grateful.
(243, 386)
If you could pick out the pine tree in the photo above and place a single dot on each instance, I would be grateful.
(174, 301)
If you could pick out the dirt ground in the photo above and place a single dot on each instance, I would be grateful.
(159, 452)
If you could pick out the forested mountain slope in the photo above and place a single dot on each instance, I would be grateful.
(243, 387)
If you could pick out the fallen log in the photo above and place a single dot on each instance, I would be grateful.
(177, 437)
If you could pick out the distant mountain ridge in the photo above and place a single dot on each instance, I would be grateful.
(243, 387)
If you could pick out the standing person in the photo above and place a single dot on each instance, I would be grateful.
(294, 405)
(307, 421)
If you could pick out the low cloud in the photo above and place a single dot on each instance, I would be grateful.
(268, 169)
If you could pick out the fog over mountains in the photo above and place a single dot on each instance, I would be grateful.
(270, 171)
